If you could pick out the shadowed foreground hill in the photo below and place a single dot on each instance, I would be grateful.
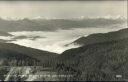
(20, 55)
(23, 62)
(97, 61)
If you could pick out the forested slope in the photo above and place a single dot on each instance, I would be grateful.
(97, 61)
(19, 55)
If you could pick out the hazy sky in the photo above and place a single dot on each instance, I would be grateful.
(58, 9)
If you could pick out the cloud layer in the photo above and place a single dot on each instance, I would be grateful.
(56, 41)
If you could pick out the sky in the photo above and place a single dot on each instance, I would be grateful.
(61, 9)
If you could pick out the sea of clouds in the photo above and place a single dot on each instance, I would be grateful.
(55, 41)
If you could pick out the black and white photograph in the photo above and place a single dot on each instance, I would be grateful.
(63, 40)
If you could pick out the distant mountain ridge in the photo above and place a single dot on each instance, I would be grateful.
(55, 24)
(4, 34)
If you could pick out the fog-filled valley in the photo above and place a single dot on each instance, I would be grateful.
(36, 34)
(63, 41)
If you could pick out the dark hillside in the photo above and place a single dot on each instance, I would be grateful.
(97, 61)
(10, 52)
(102, 37)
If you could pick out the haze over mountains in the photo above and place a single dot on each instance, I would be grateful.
(55, 24)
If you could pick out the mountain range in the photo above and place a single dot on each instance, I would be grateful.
(2, 33)
(55, 24)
